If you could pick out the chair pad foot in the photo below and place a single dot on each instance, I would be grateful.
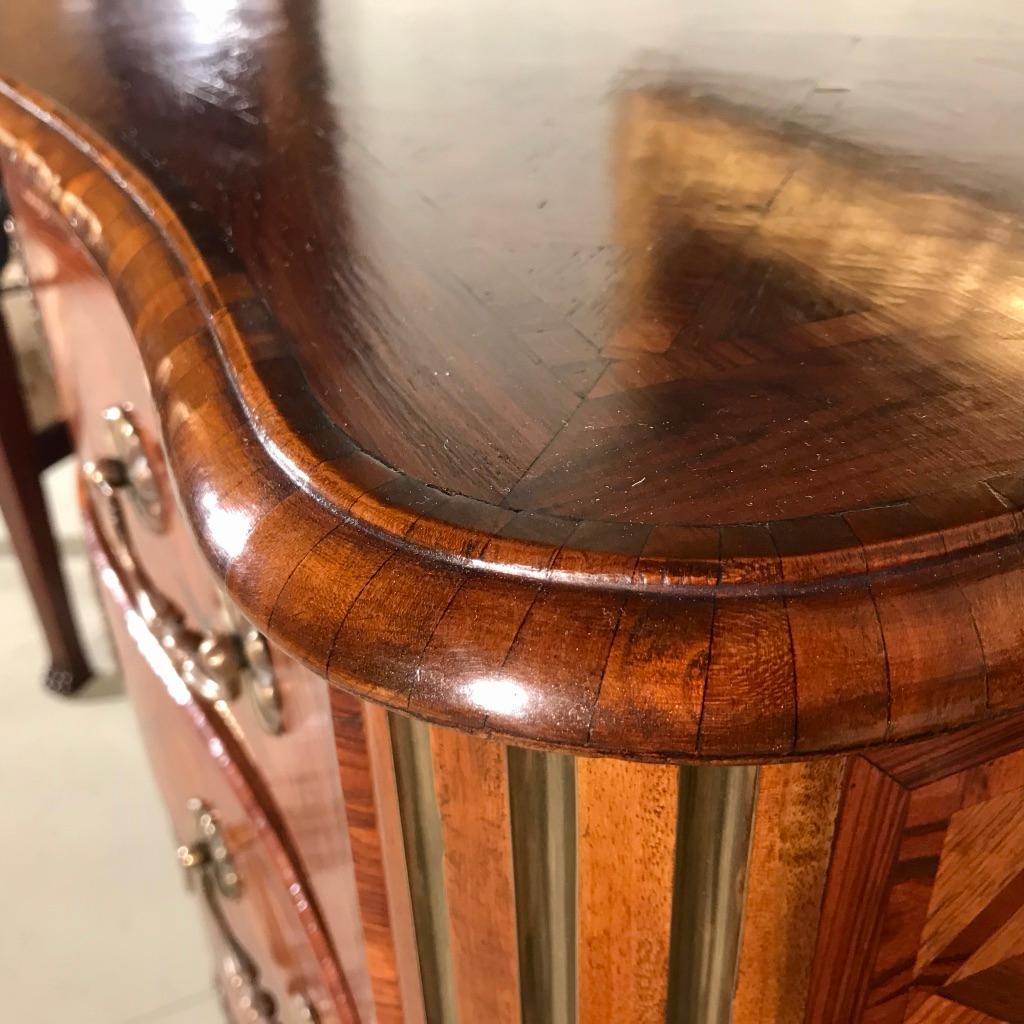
(65, 681)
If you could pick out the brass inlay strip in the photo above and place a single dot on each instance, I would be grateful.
(542, 799)
(716, 807)
(424, 855)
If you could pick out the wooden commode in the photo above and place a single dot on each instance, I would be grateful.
(555, 474)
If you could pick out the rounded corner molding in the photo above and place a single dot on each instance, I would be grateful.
(745, 642)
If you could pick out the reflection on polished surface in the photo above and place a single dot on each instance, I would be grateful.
(654, 265)
(639, 382)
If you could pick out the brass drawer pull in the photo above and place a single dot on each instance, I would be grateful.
(210, 664)
(144, 487)
(214, 665)
(209, 860)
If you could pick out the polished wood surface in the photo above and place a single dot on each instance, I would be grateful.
(578, 270)
(636, 382)
(921, 918)
(298, 764)
(366, 768)
(194, 754)
(631, 382)
(790, 849)
(627, 855)
(473, 799)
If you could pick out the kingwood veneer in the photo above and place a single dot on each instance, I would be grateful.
(542, 384)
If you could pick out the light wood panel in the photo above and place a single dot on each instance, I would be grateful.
(794, 821)
(626, 819)
(472, 794)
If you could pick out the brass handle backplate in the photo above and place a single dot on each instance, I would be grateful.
(209, 664)
(214, 665)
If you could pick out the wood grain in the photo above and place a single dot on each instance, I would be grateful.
(193, 752)
(471, 776)
(924, 902)
(377, 891)
(395, 868)
(626, 816)
(981, 857)
(679, 424)
(873, 804)
(794, 823)
(936, 1010)
(712, 483)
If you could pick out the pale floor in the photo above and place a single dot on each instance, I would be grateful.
(96, 925)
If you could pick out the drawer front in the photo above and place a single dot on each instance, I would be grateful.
(104, 391)
(275, 956)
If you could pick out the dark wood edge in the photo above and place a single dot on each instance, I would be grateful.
(411, 597)
(913, 765)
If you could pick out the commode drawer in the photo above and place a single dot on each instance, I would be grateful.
(276, 960)
(277, 713)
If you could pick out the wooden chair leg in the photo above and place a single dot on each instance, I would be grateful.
(24, 509)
